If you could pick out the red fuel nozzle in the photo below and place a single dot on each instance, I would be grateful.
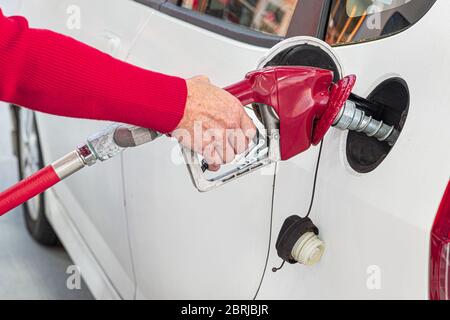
(305, 99)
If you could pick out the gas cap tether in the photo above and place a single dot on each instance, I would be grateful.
(298, 241)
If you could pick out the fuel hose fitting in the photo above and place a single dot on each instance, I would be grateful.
(352, 118)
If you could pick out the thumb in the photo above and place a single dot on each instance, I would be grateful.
(247, 126)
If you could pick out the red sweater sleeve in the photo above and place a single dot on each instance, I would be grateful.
(52, 73)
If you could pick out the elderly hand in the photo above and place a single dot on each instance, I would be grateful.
(214, 124)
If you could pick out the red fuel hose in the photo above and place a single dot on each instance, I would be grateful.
(27, 189)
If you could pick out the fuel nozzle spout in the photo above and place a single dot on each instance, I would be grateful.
(352, 118)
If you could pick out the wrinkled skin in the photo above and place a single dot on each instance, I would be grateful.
(214, 124)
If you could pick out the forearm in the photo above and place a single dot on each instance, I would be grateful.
(52, 73)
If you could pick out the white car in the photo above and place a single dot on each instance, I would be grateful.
(137, 227)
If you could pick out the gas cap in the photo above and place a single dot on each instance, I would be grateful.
(298, 241)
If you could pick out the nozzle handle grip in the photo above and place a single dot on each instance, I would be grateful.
(28, 188)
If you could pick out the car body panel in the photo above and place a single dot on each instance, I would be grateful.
(379, 223)
(188, 244)
(10, 7)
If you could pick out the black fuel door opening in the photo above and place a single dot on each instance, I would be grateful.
(389, 103)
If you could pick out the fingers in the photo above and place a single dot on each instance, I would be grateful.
(230, 140)
(213, 167)
(225, 151)
(225, 128)
(237, 140)
(240, 137)
(248, 126)
(217, 154)
(218, 138)
(212, 157)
